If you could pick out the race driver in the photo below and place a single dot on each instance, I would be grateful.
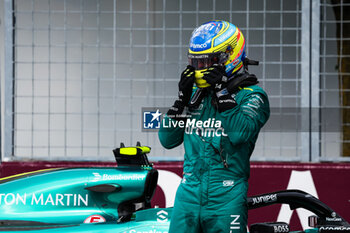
(218, 115)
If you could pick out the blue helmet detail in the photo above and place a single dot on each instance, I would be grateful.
(202, 37)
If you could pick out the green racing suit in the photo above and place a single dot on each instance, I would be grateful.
(213, 191)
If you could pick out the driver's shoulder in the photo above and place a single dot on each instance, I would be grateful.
(252, 90)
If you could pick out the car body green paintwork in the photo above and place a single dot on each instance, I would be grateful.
(60, 196)
(150, 221)
(61, 200)
(110, 199)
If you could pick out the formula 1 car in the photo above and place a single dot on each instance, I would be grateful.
(118, 200)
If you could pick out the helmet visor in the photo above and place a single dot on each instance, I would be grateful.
(204, 61)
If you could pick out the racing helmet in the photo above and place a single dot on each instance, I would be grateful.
(216, 42)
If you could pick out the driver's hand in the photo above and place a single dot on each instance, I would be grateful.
(186, 85)
(215, 75)
(185, 93)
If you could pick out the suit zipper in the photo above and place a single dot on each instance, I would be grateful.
(220, 154)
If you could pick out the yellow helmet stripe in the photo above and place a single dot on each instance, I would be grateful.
(239, 47)
(231, 40)
(238, 67)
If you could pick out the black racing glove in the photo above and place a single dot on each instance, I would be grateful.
(216, 77)
(185, 92)
(224, 100)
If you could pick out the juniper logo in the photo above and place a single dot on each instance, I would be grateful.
(266, 199)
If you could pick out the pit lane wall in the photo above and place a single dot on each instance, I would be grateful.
(330, 182)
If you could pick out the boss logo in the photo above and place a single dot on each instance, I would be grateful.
(280, 228)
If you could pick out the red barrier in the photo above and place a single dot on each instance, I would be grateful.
(330, 182)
